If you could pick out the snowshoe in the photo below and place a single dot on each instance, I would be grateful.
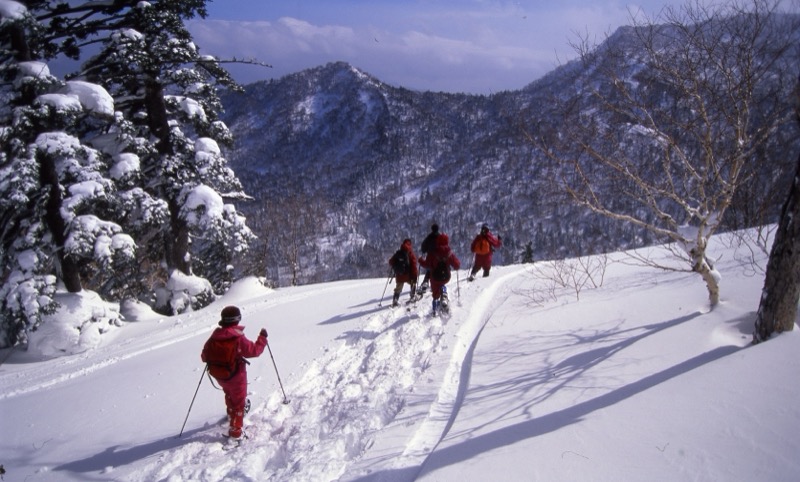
(444, 303)
(414, 297)
(229, 442)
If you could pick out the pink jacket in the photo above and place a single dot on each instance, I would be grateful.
(246, 348)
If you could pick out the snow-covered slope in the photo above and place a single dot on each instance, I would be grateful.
(634, 380)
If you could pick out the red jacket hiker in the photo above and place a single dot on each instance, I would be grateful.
(235, 388)
(410, 276)
(483, 246)
(441, 253)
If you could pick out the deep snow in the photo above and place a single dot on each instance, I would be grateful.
(526, 380)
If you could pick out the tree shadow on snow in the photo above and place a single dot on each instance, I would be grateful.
(557, 420)
(357, 314)
(745, 323)
(112, 457)
(568, 369)
(353, 336)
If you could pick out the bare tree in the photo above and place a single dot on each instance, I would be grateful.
(672, 116)
(777, 310)
(288, 225)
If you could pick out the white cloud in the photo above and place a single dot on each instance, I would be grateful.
(478, 47)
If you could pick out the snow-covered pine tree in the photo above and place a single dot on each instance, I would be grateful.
(50, 181)
(168, 91)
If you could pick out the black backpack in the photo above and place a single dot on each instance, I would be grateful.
(429, 243)
(442, 270)
(401, 263)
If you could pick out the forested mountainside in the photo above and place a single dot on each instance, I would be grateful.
(342, 167)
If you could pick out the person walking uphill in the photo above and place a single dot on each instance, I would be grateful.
(428, 245)
(404, 266)
(483, 246)
(440, 261)
(225, 354)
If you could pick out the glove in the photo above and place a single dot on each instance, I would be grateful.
(263, 332)
(499, 238)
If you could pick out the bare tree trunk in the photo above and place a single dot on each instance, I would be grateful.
(701, 266)
(711, 281)
(778, 308)
(50, 184)
(70, 274)
(176, 240)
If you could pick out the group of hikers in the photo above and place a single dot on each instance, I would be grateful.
(226, 351)
(438, 259)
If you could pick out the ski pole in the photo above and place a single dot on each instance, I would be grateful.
(458, 285)
(191, 404)
(380, 303)
(285, 400)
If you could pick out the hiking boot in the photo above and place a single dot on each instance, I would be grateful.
(246, 406)
(396, 299)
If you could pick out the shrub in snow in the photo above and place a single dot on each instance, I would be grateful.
(77, 327)
(183, 293)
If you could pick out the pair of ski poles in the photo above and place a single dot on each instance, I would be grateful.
(285, 400)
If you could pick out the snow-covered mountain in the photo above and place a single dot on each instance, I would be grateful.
(381, 163)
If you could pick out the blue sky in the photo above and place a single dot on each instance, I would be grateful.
(473, 46)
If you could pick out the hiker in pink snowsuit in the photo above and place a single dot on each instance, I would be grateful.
(235, 388)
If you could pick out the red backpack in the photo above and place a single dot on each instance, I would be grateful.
(222, 357)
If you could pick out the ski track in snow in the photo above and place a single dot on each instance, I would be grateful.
(344, 398)
(448, 402)
(44, 375)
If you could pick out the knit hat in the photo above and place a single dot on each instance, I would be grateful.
(434, 228)
(442, 240)
(230, 316)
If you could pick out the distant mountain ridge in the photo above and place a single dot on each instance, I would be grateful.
(352, 166)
